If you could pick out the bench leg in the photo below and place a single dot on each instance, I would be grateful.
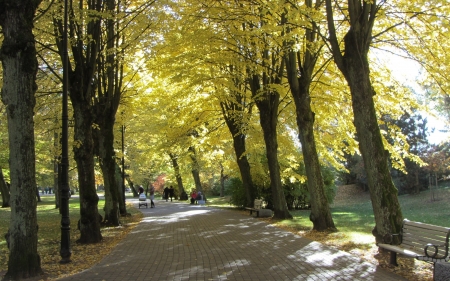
(257, 214)
(393, 258)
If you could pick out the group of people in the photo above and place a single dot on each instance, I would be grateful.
(196, 196)
(169, 193)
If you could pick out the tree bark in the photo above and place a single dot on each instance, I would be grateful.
(239, 140)
(5, 191)
(84, 156)
(222, 181)
(105, 138)
(120, 184)
(299, 72)
(176, 168)
(56, 186)
(195, 169)
(82, 83)
(18, 56)
(354, 65)
(268, 115)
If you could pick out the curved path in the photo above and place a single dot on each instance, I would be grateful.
(178, 241)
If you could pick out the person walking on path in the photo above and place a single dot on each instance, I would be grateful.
(171, 193)
(152, 196)
(166, 193)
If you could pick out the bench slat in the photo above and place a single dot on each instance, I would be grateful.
(416, 236)
(426, 233)
(412, 224)
(401, 250)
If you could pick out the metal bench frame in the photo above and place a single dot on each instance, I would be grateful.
(425, 242)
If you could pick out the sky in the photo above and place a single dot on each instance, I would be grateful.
(407, 71)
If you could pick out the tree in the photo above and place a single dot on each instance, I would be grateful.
(18, 56)
(176, 168)
(411, 129)
(300, 65)
(354, 65)
(4, 189)
(235, 107)
(82, 78)
(106, 104)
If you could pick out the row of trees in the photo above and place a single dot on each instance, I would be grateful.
(208, 85)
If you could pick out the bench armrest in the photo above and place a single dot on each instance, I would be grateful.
(434, 254)
(388, 238)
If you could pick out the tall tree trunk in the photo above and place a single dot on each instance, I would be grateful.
(84, 156)
(354, 65)
(106, 105)
(18, 56)
(4, 190)
(105, 138)
(176, 168)
(268, 115)
(239, 140)
(82, 83)
(300, 67)
(120, 184)
(195, 169)
(222, 181)
(56, 185)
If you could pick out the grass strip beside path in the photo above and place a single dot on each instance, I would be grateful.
(49, 235)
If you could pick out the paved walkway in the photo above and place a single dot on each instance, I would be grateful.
(178, 241)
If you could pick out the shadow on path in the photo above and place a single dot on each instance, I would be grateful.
(178, 241)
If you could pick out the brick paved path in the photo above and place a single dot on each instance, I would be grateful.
(178, 241)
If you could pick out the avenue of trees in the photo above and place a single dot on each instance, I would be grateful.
(270, 92)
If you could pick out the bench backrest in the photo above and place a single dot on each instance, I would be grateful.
(257, 204)
(416, 236)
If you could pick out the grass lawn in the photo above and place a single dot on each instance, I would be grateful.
(49, 234)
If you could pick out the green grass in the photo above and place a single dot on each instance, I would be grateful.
(355, 219)
(49, 234)
(217, 201)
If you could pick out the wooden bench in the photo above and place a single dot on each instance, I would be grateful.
(257, 205)
(421, 241)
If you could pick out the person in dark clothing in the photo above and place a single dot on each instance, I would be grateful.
(166, 193)
(171, 193)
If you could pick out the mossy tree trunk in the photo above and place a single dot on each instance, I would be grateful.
(267, 103)
(300, 67)
(176, 168)
(354, 65)
(195, 169)
(233, 112)
(18, 56)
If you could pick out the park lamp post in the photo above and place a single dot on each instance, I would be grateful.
(123, 163)
(65, 250)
